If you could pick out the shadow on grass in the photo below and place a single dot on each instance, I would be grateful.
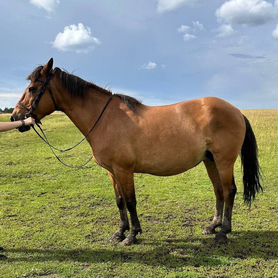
(172, 253)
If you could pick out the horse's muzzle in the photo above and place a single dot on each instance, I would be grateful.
(22, 128)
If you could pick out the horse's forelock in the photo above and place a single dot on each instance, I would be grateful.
(35, 73)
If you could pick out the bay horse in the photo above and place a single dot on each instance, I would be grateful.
(129, 137)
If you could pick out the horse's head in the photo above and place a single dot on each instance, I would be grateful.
(37, 100)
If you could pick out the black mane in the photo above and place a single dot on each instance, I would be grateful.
(79, 87)
(131, 102)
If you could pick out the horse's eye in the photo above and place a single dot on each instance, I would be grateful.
(32, 89)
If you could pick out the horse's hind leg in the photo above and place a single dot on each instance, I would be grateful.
(124, 224)
(126, 182)
(229, 191)
(215, 179)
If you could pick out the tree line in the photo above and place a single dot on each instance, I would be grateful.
(6, 110)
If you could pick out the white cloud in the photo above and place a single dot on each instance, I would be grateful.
(189, 33)
(170, 5)
(150, 66)
(225, 30)
(184, 29)
(48, 5)
(275, 33)
(189, 37)
(76, 38)
(245, 12)
(197, 25)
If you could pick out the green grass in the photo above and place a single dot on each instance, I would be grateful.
(56, 222)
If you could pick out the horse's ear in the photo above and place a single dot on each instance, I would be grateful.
(47, 67)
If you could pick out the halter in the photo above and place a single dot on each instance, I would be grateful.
(31, 111)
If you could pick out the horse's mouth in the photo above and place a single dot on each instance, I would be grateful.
(24, 128)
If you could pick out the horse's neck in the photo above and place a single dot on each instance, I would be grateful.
(84, 112)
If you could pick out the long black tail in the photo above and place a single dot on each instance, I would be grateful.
(250, 163)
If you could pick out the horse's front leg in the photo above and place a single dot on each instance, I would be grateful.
(124, 224)
(125, 180)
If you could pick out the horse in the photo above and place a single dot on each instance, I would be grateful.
(129, 137)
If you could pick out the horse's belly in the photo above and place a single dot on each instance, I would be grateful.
(164, 171)
(167, 164)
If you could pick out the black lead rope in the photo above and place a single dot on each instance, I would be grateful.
(82, 166)
(53, 148)
(45, 139)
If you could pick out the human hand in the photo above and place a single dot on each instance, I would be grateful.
(29, 121)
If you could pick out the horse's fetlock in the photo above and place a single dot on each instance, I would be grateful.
(136, 231)
(124, 227)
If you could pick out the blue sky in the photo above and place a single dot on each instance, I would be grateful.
(160, 51)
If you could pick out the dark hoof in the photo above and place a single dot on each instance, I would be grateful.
(117, 237)
(221, 238)
(130, 240)
(3, 257)
(209, 231)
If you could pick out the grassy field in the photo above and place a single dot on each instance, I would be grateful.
(56, 222)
